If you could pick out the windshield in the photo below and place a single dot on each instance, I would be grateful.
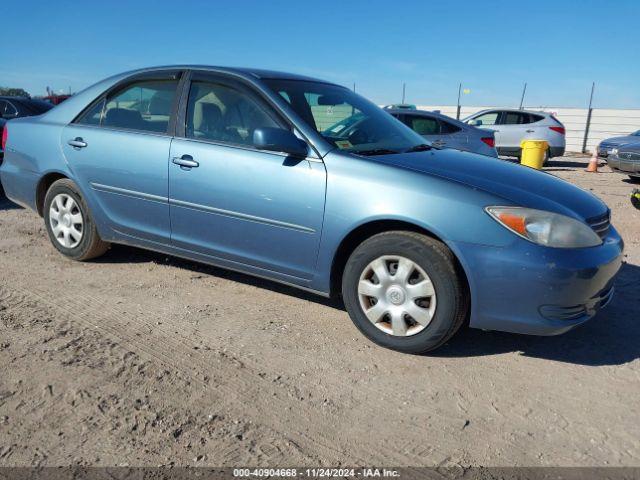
(345, 119)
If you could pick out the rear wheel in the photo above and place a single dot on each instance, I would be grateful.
(403, 291)
(547, 157)
(69, 222)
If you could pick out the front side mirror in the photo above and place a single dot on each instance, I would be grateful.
(9, 116)
(279, 140)
(475, 123)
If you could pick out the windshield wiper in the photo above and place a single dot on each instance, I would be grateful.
(375, 151)
(421, 147)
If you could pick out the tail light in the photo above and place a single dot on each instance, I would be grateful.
(560, 130)
(489, 141)
(4, 137)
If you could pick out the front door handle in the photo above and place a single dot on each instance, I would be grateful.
(77, 142)
(530, 131)
(185, 161)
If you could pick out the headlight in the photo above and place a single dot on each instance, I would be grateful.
(545, 228)
(613, 151)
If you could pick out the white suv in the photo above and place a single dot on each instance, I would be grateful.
(513, 126)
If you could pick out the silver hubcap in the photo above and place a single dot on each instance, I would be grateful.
(397, 295)
(66, 220)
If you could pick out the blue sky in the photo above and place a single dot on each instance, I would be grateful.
(492, 47)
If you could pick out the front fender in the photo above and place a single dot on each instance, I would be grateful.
(361, 191)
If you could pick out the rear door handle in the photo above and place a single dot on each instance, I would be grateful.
(77, 142)
(530, 131)
(185, 161)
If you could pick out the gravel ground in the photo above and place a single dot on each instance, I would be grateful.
(141, 359)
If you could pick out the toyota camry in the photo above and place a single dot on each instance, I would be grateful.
(251, 170)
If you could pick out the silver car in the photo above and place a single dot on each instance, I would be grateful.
(610, 145)
(443, 131)
(513, 126)
(626, 159)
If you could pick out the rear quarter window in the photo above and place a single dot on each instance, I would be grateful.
(448, 128)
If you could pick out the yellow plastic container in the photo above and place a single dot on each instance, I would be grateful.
(533, 153)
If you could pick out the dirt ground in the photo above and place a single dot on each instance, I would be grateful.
(141, 359)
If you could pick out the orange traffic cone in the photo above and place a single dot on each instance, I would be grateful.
(593, 162)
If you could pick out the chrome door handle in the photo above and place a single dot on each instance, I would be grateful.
(77, 142)
(530, 131)
(185, 161)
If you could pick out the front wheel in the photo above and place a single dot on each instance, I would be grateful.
(403, 291)
(69, 223)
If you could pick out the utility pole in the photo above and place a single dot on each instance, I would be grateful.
(524, 90)
(586, 128)
(354, 87)
(404, 89)
(458, 110)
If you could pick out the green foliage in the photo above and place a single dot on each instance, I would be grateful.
(13, 92)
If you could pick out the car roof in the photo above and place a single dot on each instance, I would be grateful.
(517, 110)
(243, 71)
(404, 111)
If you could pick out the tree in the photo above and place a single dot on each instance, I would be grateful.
(13, 92)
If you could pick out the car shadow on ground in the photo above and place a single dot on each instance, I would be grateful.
(568, 164)
(612, 338)
(126, 254)
(5, 203)
(632, 181)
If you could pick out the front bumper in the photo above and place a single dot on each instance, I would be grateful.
(623, 165)
(530, 289)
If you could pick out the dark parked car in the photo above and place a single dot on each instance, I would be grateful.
(626, 159)
(610, 145)
(14, 107)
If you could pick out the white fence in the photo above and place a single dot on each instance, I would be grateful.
(605, 123)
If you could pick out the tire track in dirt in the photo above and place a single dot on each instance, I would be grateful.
(270, 448)
(327, 443)
(231, 390)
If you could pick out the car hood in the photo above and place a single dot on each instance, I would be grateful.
(518, 185)
(621, 140)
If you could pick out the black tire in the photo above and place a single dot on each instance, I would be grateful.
(439, 264)
(90, 244)
(547, 157)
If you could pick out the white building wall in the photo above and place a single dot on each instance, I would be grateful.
(605, 123)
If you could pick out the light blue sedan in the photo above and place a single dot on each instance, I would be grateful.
(240, 168)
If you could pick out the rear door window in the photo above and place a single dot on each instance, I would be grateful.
(423, 125)
(514, 118)
(93, 116)
(145, 106)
